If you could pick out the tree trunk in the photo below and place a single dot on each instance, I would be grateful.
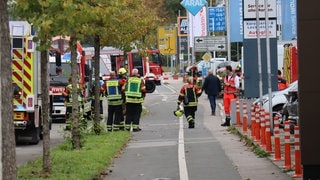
(75, 130)
(46, 166)
(7, 141)
(97, 84)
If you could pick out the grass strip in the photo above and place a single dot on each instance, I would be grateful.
(87, 163)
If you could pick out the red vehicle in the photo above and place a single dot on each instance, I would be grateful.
(149, 66)
(60, 71)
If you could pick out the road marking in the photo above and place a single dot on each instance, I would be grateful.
(183, 173)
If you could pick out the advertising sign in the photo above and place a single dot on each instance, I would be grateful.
(249, 9)
(183, 26)
(236, 21)
(289, 19)
(250, 29)
(193, 6)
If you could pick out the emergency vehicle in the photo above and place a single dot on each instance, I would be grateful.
(60, 71)
(26, 83)
(149, 66)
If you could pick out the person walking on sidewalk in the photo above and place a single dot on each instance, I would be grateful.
(189, 95)
(231, 85)
(212, 87)
(135, 92)
(113, 92)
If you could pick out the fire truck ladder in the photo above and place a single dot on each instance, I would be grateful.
(18, 54)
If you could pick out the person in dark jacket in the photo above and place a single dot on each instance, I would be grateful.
(212, 87)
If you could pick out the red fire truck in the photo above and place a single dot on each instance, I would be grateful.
(60, 71)
(149, 66)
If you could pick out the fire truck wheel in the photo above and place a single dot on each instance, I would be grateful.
(150, 86)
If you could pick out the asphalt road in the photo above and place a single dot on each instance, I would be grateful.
(27, 152)
(166, 149)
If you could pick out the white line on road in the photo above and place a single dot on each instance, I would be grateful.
(183, 172)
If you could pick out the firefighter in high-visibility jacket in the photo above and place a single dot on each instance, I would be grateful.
(122, 80)
(135, 92)
(231, 85)
(113, 93)
(68, 101)
(189, 95)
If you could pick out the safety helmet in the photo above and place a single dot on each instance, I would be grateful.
(122, 71)
(178, 112)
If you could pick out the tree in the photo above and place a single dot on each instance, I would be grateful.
(8, 155)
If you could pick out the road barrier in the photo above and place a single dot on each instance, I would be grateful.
(245, 118)
(297, 153)
(253, 121)
(238, 113)
(257, 122)
(263, 128)
(257, 125)
(268, 133)
(287, 153)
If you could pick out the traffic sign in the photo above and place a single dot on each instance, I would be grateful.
(193, 6)
(210, 43)
(206, 56)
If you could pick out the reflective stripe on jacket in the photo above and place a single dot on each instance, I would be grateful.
(230, 89)
(133, 90)
(113, 92)
(68, 94)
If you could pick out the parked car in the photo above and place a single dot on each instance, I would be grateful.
(290, 110)
(278, 99)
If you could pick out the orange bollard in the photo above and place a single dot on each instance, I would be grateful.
(253, 121)
(297, 153)
(238, 113)
(263, 128)
(276, 130)
(268, 133)
(257, 125)
(245, 118)
(287, 153)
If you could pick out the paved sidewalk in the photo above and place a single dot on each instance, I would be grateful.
(279, 163)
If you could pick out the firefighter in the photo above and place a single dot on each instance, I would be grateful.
(135, 92)
(189, 95)
(282, 83)
(123, 79)
(113, 92)
(68, 101)
(231, 86)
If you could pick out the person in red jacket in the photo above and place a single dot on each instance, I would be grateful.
(282, 83)
(231, 86)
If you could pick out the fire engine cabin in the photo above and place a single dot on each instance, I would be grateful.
(149, 66)
(26, 83)
(60, 71)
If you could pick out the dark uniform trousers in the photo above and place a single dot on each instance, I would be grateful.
(114, 116)
(133, 113)
(189, 112)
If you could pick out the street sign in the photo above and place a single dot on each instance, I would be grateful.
(167, 40)
(206, 56)
(210, 43)
(217, 20)
(193, 6)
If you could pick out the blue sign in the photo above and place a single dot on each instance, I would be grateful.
(193, 6)
(289, 19)
(217, 20)
(236, 21)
